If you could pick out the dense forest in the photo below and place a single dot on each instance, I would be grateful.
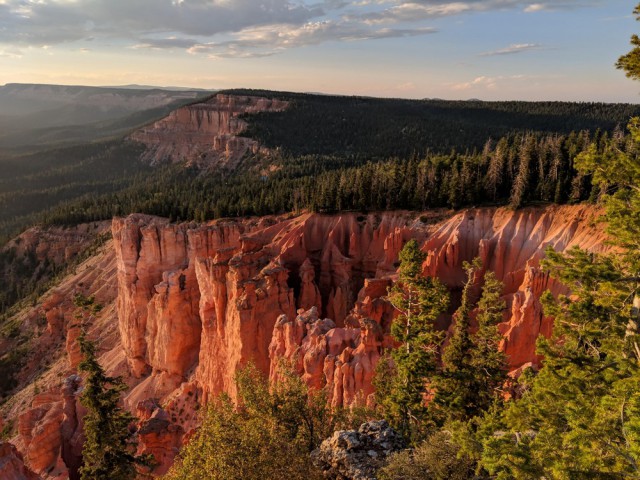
(382, 128)
(514, 170)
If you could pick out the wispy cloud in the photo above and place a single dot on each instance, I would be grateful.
(418, 10)
(237, 28)
(265, 41)
(485, 82)
(512, 49)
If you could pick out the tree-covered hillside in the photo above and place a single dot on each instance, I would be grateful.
(381, 128)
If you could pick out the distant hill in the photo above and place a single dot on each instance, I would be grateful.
(135, 86)
(33, 115)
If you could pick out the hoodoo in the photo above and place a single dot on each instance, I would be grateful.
(195, 302)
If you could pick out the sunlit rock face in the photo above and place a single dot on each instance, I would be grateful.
(12, 465)
(207, 134)
(186, 305)
(196, 302)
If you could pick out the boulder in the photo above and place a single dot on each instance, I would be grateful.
(357, 455)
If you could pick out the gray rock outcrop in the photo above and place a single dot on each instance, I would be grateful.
(357, 455)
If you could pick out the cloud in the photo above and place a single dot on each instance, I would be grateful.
(418, 10)
(36, 22)
(265, 41)
(511, 49)
(11, 53)
(493, 83)
(234, 28)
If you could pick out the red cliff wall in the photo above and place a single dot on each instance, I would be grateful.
(197, 302)
(205, 134)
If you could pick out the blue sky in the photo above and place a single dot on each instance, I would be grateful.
(487, 49)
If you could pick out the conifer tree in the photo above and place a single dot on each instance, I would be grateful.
(473, 368)
(109, 449)
(108, 452)
(579, 417)
(402, 376)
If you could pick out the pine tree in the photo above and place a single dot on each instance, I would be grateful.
(520, 187)
(402, 376)
(579, 416)
(108, 452)
(473, 368)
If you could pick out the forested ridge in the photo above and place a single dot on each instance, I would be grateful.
(319, 142)
(381, 128)
(514, 170)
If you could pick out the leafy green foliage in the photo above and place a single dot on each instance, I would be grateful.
(109, 450)
(269, 435)
(436, 458)
(402, 378)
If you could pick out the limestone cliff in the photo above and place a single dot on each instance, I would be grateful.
(206, 134)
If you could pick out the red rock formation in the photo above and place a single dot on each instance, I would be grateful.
(205, 134)
(157, 435)
(12, 465)
(48, 430)
(51, 434)
(511, 243)
(205, 299)
(196, 302)
(342, 359)
(56, 244)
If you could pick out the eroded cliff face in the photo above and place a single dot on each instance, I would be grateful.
(197, 302)
(206, 134)
(12, 465)
(186, 305)
(44, 417)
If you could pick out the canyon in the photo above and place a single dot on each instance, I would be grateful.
(184, 306)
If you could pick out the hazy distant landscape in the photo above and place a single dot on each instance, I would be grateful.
(351, 240)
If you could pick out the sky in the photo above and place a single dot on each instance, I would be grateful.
(485, 49)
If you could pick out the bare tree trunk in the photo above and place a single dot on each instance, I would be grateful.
(633, 326)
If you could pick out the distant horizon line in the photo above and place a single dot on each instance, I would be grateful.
(135, 86)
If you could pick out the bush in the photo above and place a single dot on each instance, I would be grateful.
(436, 458)
(269, 435)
